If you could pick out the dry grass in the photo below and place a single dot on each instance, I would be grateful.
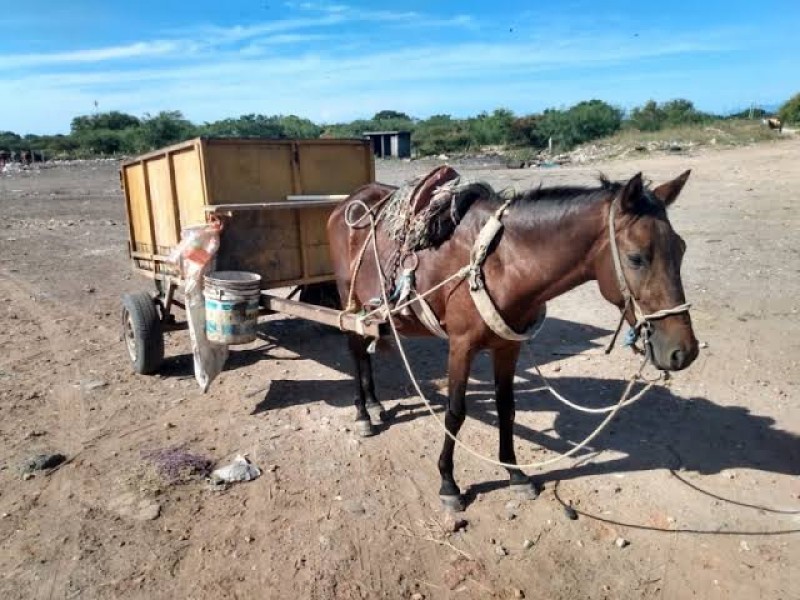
(734, 132)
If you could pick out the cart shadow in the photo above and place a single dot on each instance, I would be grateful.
(181, 366)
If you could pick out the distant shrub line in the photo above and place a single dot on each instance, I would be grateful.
(115, 133)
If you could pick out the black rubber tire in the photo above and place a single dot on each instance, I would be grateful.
(142, 332)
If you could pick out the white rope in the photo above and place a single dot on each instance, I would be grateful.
(460, 274)
(623, 401)
(586, 409)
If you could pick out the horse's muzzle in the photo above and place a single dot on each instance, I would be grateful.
(672, 353)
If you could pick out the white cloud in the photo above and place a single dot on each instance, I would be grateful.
(215, 72)
(136, 50)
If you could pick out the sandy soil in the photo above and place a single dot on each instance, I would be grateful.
(700, 478)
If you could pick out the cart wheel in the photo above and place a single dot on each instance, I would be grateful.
(142, 332)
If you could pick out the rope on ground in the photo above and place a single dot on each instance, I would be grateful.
(623, 401)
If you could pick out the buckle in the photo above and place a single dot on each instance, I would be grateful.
(476, 279)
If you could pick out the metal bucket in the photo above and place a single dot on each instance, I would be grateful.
(232, 301)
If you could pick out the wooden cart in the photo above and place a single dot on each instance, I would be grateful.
(274, 197)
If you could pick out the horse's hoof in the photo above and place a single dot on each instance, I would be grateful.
(452, 503)
(365, 428)
(377, 414)
(525, 491)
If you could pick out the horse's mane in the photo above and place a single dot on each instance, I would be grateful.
(556, 202)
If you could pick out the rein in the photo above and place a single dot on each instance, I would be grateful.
(625, 399)
(473, 272)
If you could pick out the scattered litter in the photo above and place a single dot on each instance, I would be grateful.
(744, 546)
(40, 462)
(177, 465)
(621, 542)
(528, 544)
(92, 384)
(500, 550)
(240, 469)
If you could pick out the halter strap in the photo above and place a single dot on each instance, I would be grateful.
(642, 320)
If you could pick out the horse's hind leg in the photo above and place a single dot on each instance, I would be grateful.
(459, 362)
(365, 400)
(505, 365)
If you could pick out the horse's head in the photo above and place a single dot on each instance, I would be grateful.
(650, 255)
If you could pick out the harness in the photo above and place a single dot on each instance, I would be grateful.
(409, 299)
(488, 312)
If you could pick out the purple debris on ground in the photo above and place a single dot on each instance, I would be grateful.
(176, 464)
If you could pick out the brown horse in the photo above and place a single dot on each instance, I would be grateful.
(553, 240)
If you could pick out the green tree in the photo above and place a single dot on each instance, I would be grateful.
(648, 117)
(790, 111)
(581, 123)
(386, 115)
(653, 116)
(682, 112)
(111, 121)
(495, 128)
(163, 129)
(441, 134)
(526, 131)
(10, 141)
(298, 128)
(246, 126)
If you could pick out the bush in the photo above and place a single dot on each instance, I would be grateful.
(583, 122)
(674, 113)
(648, 117)
(110, 121)
(262, 126)
(441, 134)
(165, 128)
(491, 129)
(790, 111)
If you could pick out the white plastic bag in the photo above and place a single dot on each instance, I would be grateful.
(195, 257)
(240, 469)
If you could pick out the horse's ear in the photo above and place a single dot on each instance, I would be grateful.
(631, 194)
(667, 192)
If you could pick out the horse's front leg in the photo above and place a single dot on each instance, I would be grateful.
(365, 400)
(459, 363)
(505, 365)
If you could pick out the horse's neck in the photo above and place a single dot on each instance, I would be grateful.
(544, 259)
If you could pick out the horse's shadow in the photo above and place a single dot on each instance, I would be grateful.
(429, 356)
(663, 431)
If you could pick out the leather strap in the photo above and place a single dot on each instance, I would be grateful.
(427, 317)
(477, 286)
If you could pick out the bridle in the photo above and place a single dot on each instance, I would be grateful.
(643, 325)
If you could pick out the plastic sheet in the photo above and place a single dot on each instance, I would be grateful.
(195, 257)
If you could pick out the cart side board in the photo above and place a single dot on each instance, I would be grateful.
(176, 187)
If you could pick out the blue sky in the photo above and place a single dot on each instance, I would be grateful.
(332, 61)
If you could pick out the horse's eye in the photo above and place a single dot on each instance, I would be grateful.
(636, 260)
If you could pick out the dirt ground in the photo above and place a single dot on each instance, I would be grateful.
(700, 479)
